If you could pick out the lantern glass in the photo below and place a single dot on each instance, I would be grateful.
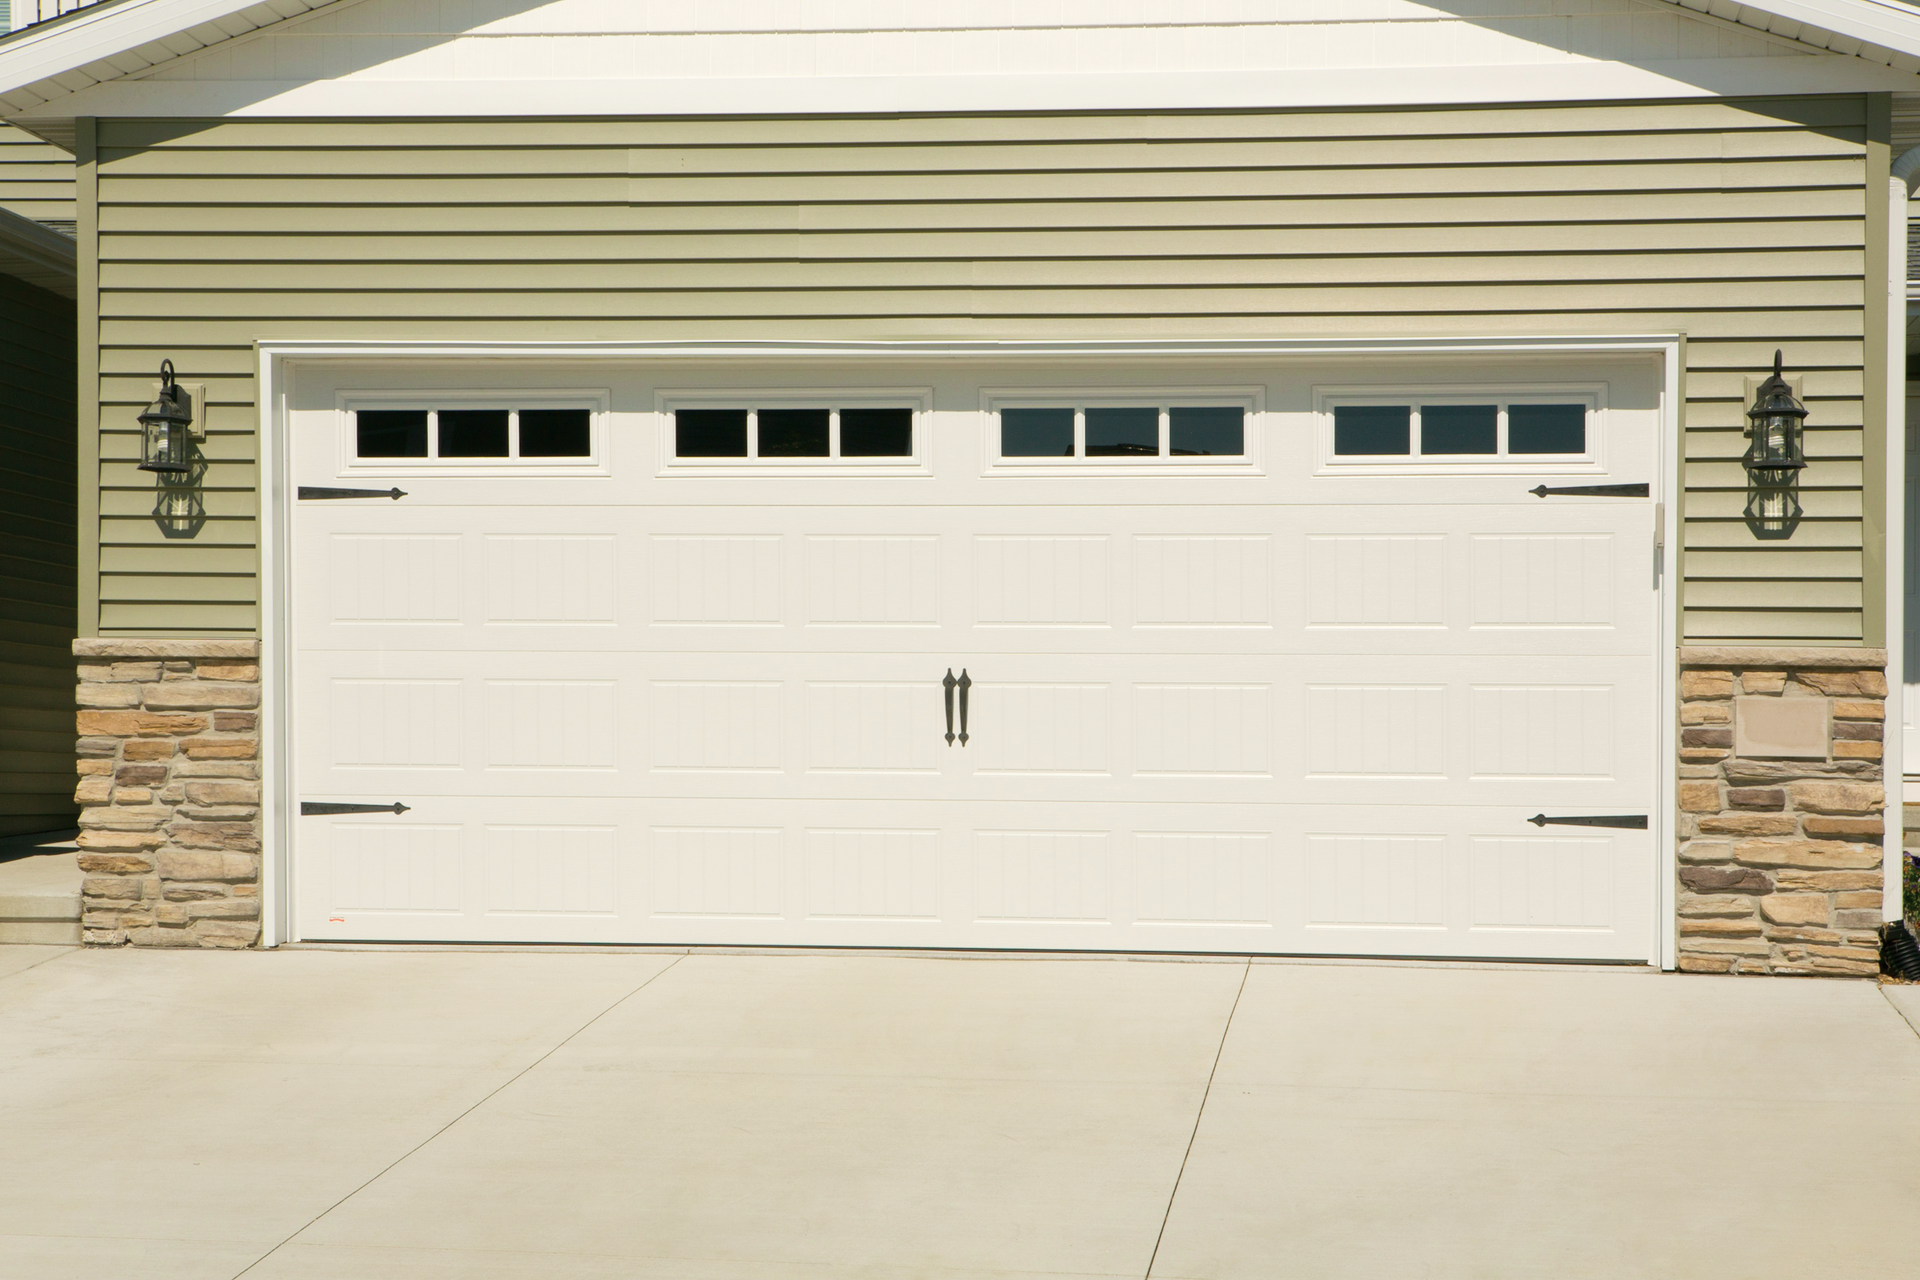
(163, 445)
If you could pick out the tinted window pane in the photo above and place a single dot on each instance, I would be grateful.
(710, 433)
(793, 433)
(1129, 432)
(1546, 428)
(473, 433)
(391, 433)
(1372, 429)
(1459, 428)
(876, 433)
(556, 433)
(1036, 433)
(1207, 429)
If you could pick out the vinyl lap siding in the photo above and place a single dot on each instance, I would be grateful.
(36, 560)
(36, 178)
(1739, 224)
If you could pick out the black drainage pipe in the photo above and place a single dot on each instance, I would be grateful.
(1899, 951)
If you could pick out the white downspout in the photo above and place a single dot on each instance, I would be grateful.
(1904, 177)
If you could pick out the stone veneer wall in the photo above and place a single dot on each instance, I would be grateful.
(169, 761)
(1781, 859)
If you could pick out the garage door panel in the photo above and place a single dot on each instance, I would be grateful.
(1265, 710)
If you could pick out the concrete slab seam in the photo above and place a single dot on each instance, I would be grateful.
(1198, 1115)
(403, 1157)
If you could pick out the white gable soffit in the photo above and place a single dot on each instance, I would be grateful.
(213, 58)
(1880, 31)
(123, 38)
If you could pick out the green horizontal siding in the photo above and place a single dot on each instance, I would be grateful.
(36, 178)
(1740, 224)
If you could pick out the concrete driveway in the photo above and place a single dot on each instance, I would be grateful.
(463, 1115)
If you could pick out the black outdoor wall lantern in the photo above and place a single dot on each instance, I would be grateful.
(1775, 458)
(165, 445)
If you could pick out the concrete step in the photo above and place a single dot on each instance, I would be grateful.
(39, 889)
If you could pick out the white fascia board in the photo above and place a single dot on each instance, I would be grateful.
(102, 33)
(1340, 87)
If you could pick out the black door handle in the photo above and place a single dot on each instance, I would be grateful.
(309, 493)
(1594, 491)
(966, 683)
(948, 684)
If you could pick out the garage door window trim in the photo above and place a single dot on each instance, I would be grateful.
(799, 448)
(433, 450)
(1419, 441)
(1028, 431)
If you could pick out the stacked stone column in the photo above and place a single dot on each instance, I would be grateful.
(1781, 858)
(169, 761)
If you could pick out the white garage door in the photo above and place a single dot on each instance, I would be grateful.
(661, 661)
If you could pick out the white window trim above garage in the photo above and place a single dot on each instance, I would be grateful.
(278, 360)
(1592, 462)
(918, 399)
(596, 402)
(1249, 399)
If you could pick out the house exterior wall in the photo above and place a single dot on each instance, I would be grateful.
(1743, 225)
(37, 531)
(36, 178)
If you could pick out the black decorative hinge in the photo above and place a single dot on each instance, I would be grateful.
(1594, 491)
(308, 493)
(1634, 821)
(311, 808)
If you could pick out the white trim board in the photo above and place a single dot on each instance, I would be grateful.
(276, 355)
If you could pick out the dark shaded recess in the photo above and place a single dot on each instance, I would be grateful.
(1036, 433)
(1546, 428)
(390, 433)
(473, 433)
(876, 433)
(1123, 431)
(710, 433)
(1208, 430)
(794, 433)
(556, 433)
(1372, 430)
(1459, 428)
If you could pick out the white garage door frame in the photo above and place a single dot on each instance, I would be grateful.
(277, 358)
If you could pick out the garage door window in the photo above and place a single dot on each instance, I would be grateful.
(860, 432)
(432, 435)
(1455, 431)
(1177, 430)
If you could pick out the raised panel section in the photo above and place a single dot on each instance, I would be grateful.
(1203, 730)
(718, 872)
(728, 726)
(1376, 580)
(550, 724)
(389, 578)
(715, 581)
(1042, 581)
(874, 727)
(1542, 731)
(1380, 881)
(873, 874)
(1040, 728)
(550, 579)
(1182, 877)
(412, 867)
(1376, 731)
(1058, 877)
(565, 870)
(1542, 579)
(395, 724)
(1542, 882)
(873, 581)
(1202, 581)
